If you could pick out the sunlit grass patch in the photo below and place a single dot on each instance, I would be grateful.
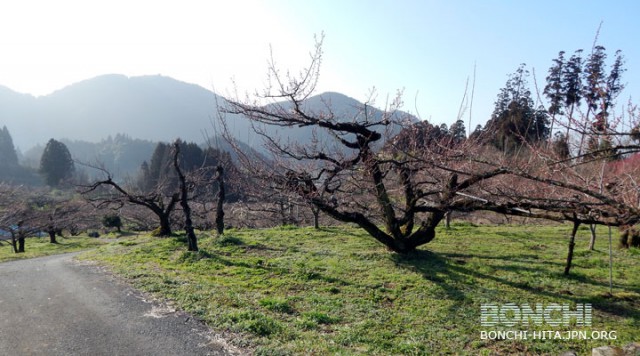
(335, 290)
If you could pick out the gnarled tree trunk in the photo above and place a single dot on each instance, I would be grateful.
(192, 240)
(20, 243)
(51, 230)
(165, 223)
(14, 242)
(220, 203)
(572, 244)
(52, 235)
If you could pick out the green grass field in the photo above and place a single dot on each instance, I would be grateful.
(40, 246)
(336, 291)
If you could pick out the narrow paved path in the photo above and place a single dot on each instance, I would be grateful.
(56, 306)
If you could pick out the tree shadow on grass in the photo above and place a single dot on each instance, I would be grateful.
(521, 257)
(601, 302)
(433, 267)
(531, 262)
(453, 277)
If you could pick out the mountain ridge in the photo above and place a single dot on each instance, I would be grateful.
(138, 112)
(149, 107)
(154, 108)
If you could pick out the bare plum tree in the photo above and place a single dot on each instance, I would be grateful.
(396, 177)
(107, 192)
(192, 240)
(18, 218)
(344, 170)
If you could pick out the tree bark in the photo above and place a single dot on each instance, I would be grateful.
(220, 203)
(14, 242)
(52, 235)
(572, 243)
(165, 224)
(21, 239)
(192, 240)
(592, 242)
(51, 230)
(425, 233)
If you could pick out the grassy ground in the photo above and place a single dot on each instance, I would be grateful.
(336, 291)
(37, 247)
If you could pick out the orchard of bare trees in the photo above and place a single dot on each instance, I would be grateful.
(183, 179)
(25, 212)
(563, 153)
(571, 160)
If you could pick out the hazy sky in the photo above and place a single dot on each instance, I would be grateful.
(429, 48)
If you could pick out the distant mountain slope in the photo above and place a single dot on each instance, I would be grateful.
(340, 108)
(152, 108)
(18, 113)
(145, 110)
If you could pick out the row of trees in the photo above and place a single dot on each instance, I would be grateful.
(182, 177)
(582, 97)
(56, 165)
(398, 178)
(400, 194)
(581, 92)
(179, 175)
(25, 211)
